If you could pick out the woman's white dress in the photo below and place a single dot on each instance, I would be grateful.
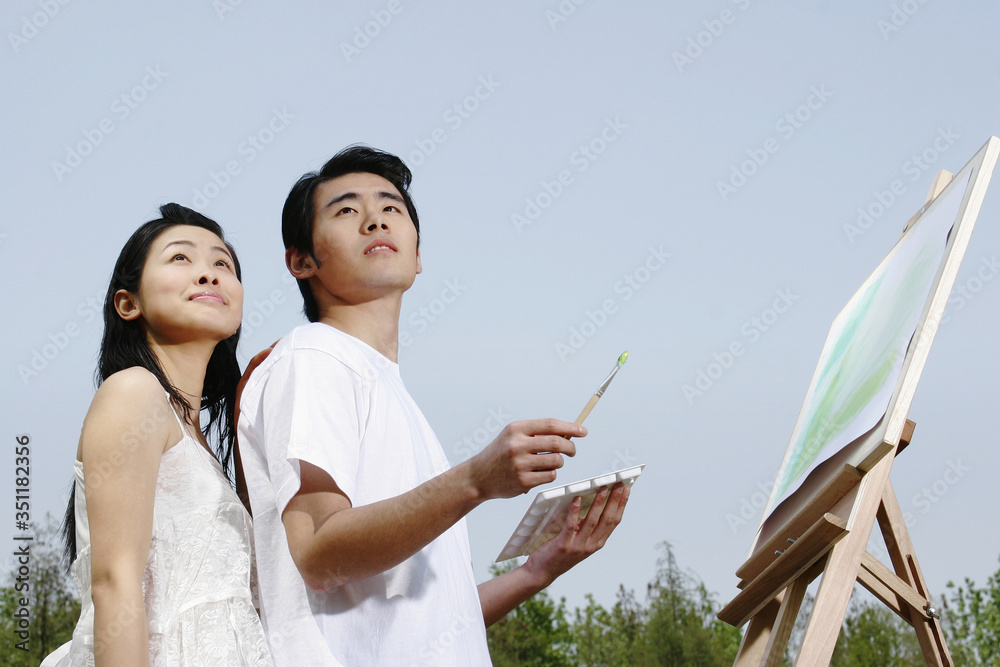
(199, 574)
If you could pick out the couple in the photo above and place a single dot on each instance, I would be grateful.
(358, 535)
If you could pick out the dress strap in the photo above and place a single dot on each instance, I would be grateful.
(173, 409)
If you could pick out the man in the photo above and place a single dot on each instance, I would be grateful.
(361, 545)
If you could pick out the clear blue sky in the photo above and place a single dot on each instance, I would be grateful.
(656, 177)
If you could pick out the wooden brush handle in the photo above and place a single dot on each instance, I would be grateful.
(587, 408)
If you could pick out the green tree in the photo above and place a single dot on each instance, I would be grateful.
(53, 607)
(682, 627)
(678, 626)
(610, 638)
(536, 633)
(873, 636)
(972, 622)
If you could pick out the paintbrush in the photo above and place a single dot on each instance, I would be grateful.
(600, 390)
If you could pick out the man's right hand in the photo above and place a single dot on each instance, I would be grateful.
(525, 454)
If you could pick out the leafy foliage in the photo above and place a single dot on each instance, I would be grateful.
(682, 628)
(873, 635)
(535, 633)
(53, 607)
(609, 636)
(676, 626)
(973, 618)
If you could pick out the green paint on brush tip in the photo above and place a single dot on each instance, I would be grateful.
(621, 359)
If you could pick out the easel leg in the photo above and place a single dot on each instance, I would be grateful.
(785, 621)
(841, 572)
(758, 634)
(904, 561)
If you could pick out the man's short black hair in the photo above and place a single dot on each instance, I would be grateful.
(300, 208)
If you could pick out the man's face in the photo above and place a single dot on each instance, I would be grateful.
(364, 242)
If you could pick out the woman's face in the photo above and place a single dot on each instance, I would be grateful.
(189, 289)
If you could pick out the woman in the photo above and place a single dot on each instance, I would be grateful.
(164, 562)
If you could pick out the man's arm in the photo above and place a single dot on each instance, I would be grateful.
(333, 543)
(578, 539)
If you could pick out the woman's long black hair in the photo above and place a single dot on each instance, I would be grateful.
(125, 345)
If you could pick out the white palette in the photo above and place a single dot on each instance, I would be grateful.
(547, 513)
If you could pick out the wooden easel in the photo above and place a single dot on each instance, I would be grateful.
(774, 581)
(829, 535)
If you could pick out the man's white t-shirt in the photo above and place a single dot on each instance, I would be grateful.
(325, 397)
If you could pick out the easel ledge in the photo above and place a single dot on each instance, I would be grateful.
(770, 600)
(825, 499)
